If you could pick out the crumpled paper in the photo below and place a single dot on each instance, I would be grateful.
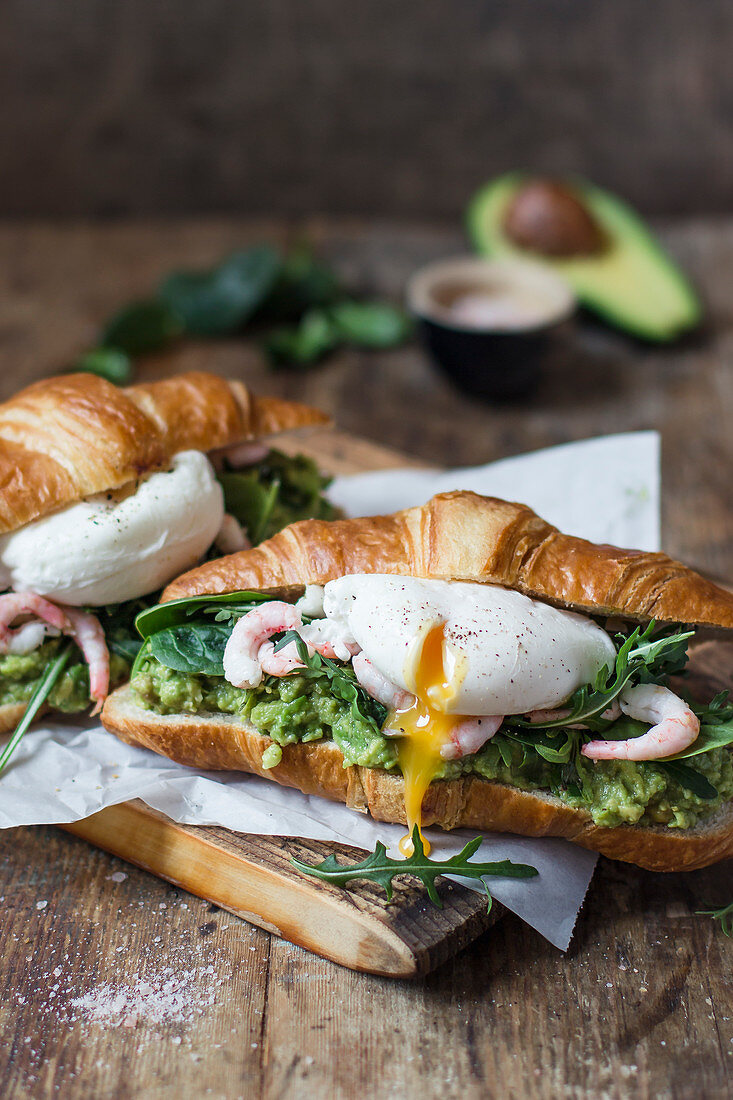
(606, 489)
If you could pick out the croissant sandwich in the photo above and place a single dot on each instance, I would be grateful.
(108, 493)
(461, 664)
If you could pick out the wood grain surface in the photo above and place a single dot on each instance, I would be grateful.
(128, 107)
(117, 986)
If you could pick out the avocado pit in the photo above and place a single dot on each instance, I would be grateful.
(548, 218)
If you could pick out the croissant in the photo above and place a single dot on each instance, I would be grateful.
(66, 438)
(463, 536)
(455, 536)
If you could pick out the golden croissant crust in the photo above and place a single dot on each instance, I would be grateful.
(69, 437)
(463, 536)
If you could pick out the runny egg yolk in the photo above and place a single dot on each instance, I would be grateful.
(436, 675)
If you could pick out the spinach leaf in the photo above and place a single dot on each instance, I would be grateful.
(302, 284)
(304, 344)
(249, 500)
(192, 647)
(222, 300)
(280, 490)
(141, 327)
(109, 363)
(689, 778)
(175, 612)
(370, 324)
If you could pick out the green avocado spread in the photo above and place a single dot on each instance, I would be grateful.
(19, 674)
(296, 708)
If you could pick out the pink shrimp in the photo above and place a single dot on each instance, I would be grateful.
(249, 644)
(329, 639)
(675, 730)
(85, 629)
(379, 687)
(470, 734)
(87, 632)
(14, 604)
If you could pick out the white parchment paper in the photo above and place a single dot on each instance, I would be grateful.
(606, 489)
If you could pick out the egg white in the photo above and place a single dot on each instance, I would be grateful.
(118, 546)
(510, 654)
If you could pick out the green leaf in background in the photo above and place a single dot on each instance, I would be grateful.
(381, 868)
(109, 363)
(142, 327)
(192, 647)
(370, 324)
(221, 301)
(303, 283)
(302, 345)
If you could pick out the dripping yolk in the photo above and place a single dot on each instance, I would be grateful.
(436, 675)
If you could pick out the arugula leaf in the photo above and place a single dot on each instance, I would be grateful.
(689, 778)
(343, 683)
(141, 327)
(41, 692)
(110, 363)
(724, 915)
(380, 868)
(164, 615)
(641, 657)
(222, 300)
(192, 648)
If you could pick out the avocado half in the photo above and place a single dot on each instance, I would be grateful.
(630, 281)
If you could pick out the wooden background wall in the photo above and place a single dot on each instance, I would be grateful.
(391, 107)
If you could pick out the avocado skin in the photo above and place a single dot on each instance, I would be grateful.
(632, 284)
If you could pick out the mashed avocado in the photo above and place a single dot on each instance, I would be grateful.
(20, 673)
(294, 708)
(299, 708)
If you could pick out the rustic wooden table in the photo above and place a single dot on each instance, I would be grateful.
(206, 1005)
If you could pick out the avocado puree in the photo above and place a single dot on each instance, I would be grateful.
(20, 673)
(296, 708)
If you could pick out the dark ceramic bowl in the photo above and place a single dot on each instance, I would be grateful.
(490, 324)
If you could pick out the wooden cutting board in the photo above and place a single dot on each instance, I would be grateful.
(253, 877)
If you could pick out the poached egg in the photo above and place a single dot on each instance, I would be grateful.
(119, 545)
(461, 649)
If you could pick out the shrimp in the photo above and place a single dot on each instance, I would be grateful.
(86, 630)
(280, 663)
(469, 735)
(329, 639)
(14, 604)
(249, 641)
(379, 687)
(675, 728)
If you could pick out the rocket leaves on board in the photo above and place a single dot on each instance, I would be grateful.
(379, 867)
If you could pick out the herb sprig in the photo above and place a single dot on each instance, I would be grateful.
(379, 867)
(41, 692)
(641, 656)
(724, 915)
